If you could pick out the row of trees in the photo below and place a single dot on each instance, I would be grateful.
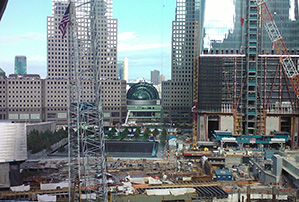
(38, 141)
(136, 135)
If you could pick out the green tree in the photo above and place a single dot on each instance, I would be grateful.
(61, 149)
(124, 134)
(156, 132)
(137, 133)
(146, 134)
(38, 141)
(112, 133)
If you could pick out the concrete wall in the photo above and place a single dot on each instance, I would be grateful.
(272, 123)
(227, 123)
(277, 165)
(202, 128)
(262, 175)
(4, 175)
(233, 160)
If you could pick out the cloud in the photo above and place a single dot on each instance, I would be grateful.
(27, 37)
(129, 47)
(128, 41)
(36, 58)
(127, 36)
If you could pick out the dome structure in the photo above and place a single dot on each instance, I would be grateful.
(143, 104)
(142, 91)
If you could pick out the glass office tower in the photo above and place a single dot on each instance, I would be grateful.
(20, 65)
(226, 30)
(187, 34)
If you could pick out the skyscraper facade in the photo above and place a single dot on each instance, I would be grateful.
(113, 91)
(155, 77)
(20, 65)
(177, 93)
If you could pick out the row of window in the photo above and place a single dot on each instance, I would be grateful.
(24, 87)
(22, 82)
(23, 105)
(24, 110)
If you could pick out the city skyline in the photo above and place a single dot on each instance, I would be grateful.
(145, 49)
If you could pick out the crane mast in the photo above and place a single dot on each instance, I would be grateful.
(279, 45)
(195, 114)
(86, 148)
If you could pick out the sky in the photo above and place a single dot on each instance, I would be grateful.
(144, 35)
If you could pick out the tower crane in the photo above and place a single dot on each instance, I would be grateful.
(279, 45)
(86, 148)
(195, 89)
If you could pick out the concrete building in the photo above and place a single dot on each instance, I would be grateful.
(177, 93)
(155, 75)
(112, 89)
(161, 78)
(28, 98)
(3, 96)
(24, 98)
(20, 65)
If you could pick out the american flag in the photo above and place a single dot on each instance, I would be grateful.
(64, 21)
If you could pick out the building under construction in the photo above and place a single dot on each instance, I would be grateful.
(242, 84)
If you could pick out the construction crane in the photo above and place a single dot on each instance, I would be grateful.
(86, 148)
(279, 45)
(195, 114)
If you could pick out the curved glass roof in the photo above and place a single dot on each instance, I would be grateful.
(142, 91)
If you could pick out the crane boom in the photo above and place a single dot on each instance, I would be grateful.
(279, 45)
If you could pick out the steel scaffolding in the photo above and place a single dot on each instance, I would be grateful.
(86, 150)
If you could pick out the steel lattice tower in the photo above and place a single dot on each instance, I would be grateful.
(87, 166)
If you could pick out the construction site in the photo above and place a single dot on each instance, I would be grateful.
(243, 145)
(248, 83)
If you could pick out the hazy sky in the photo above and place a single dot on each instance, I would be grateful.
(144, 35)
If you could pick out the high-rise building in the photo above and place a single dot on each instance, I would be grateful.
(155, 77)
(242, 85)
(113, 91)
(120, 70)
(126, 69)
(24, 101)
(177, 93)
(161, 78)
(3, 98)
(20, 65)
